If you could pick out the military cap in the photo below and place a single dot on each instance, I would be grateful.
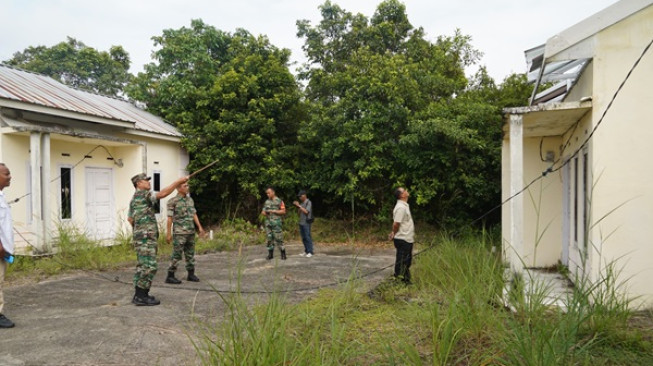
(139, 177)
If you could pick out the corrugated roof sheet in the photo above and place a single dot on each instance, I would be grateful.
(32, 88)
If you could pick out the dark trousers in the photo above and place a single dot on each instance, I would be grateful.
(403, 260)
(305, 232)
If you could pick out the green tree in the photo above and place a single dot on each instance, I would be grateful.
(389, 107)
(234, 99)
(78, 65)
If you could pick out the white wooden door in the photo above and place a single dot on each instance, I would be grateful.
(99, 203)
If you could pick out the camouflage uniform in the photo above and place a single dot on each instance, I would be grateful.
(273, 223)
(182, 210)
(146, 233)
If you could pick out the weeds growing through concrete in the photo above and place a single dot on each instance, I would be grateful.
(452, 315)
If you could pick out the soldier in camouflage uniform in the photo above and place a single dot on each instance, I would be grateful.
(182, 215)
(273, 210)
(146, 232)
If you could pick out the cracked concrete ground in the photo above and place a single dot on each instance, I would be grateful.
(84, 319)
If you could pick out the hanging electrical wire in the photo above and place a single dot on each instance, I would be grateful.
(544, 173)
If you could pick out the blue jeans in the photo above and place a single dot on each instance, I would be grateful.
(305, 232)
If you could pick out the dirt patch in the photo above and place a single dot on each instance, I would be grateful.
(85, 319)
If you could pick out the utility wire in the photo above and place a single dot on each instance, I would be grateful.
(550, 169)
(15, 200)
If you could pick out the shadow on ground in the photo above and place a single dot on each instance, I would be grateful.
(83, 319)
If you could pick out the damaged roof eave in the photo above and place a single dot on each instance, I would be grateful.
(548, 119)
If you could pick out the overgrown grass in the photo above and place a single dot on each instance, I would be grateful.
(452, 315)
(75, 250)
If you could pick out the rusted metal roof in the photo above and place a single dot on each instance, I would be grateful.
(36, 89)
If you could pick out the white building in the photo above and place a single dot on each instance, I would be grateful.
(72, 153)
(596, 206)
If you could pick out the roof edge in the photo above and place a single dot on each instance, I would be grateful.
(58, 112)
(588, 27)
(556, 106)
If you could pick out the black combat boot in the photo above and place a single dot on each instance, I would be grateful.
(283, 254)
(152, 298)
(171, 278)
(270, 254)
(141, 298)
(191, 276)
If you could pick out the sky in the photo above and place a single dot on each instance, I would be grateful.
(501, 29)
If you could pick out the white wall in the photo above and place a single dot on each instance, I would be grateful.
(623, 174)
(67, 151)
(542, 204)
(15, 154)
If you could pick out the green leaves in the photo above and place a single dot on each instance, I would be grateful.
(382, 105)
(390, 107)
(80, 66)
(234, 99)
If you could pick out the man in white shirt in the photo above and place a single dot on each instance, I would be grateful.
(403, 235)
(6, 237)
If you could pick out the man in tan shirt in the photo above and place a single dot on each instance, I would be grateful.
(403, 235)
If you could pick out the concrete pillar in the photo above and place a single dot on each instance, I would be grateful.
(37, 208)
(45, 192)
(144, 157)
(516, 254)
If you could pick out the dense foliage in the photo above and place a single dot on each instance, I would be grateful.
(378, 104)
(389, 107)
(234, 99)
(78, 65)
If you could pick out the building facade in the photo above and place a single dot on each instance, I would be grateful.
(584, 143)
(72, 153)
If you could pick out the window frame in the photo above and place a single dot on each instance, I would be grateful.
(72, 190)
(160, 175)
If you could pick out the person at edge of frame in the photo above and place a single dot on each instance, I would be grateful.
(273, 210)
(6, 238)
(403, 235)
(182, 219)
(141, 217)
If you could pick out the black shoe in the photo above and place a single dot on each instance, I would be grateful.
(171, 278)
(283, 254)
(147, 293)
(145, 301)
(5, 322)
(142, 298)
(270, 254)
(191, 276)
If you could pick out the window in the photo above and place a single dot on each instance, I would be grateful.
(156, 187)
(156, 181)
(65, 185)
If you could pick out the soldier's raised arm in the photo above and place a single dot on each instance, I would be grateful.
(165, 192)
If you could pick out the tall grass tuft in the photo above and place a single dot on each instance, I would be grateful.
(267, 333)
(452, 315)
